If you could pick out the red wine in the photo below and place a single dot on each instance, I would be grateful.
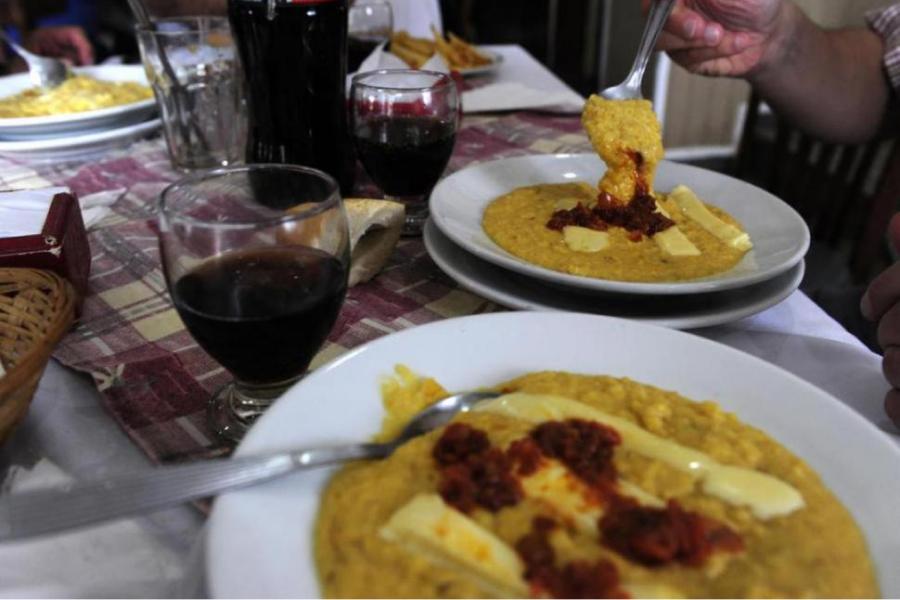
(263, 314)
(295, 64)
(405, 155)
(359, 48)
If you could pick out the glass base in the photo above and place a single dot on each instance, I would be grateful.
(416, 208)
(235, 407)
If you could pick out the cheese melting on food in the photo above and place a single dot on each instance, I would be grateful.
(694, 209)
(448, 537)
(554, 485)
(765, 495)
(619, 131)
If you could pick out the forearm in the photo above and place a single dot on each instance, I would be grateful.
(830, 83)
(180, 8)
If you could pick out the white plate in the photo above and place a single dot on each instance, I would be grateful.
(496, 61)
(259, 542)
(76, 123)
(780, 236)
(679, 312)
(78, 147)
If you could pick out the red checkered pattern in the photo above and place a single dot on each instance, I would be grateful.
(153, 378)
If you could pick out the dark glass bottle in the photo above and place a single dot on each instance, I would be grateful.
(294, 55)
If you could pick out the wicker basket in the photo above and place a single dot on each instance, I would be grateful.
(36, 309)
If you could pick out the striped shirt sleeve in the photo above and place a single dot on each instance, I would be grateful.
(886, 23)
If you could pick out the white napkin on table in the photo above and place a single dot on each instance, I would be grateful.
(23, 212)
(78, 564)
(503, 96)
(381, 58)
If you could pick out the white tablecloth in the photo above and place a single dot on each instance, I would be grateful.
(67, 434)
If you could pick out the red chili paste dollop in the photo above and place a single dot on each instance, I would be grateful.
(473, 473)
(661, 536)
(476, 474)
(585, 447)
(578, 579)
(638, 217)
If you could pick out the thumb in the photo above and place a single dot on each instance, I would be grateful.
(894, 232)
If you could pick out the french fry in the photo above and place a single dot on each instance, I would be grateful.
(409, 56)
(458, 53)
(446, 50)
(419, 45)
(472, 56)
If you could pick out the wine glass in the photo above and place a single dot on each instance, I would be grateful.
(369, 23)
(404, 125)
(256, 259)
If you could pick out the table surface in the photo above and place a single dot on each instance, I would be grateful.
(74, 431)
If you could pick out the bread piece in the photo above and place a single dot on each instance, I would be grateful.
(375, 227)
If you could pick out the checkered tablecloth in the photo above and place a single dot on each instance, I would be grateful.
(153, 378)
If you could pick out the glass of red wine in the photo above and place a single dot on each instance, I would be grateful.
(404, 125)
(256, 259)
(369, 24)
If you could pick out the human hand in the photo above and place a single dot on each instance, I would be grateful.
(726, 37)
(882, 303)
(67, 42)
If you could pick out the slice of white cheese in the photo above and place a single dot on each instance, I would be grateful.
(555, 486)
(429, 527)
(672, 241)
(765, 495)
(570, 498)
(583, 239)
(695, 210)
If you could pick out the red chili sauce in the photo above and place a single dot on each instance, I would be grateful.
(476, 474)
(638, 217)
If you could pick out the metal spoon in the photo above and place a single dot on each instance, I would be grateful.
(55, 509)
(630, 89)
(44, 72)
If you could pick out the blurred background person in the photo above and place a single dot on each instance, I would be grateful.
(55, 28)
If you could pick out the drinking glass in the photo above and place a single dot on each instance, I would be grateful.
(192, 66)
(370, 23)
(404, 125)
(256, 260)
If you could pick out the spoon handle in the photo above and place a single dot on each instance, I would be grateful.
(659, 13)
(25, 54)
(28, 514)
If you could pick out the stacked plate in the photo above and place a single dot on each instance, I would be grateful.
(765, 276)
(77, 135)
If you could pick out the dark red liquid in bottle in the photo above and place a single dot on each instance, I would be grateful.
(294, 55)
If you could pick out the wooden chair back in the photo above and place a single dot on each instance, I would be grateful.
(846, 193)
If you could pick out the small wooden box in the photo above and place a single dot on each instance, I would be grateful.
(61, 246)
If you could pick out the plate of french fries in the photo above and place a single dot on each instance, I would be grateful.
(459, 55)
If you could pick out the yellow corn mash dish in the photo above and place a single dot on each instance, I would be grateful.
(618, 129)
(399, 527)
(79, 93)
(622, 230)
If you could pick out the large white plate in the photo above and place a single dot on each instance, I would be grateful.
(259, 542)
(78, 147)
(679, 312)
(76, 123)
(780, 236)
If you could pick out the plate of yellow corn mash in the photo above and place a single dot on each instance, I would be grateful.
(698, 433)
(622, 220)
(92, 99)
